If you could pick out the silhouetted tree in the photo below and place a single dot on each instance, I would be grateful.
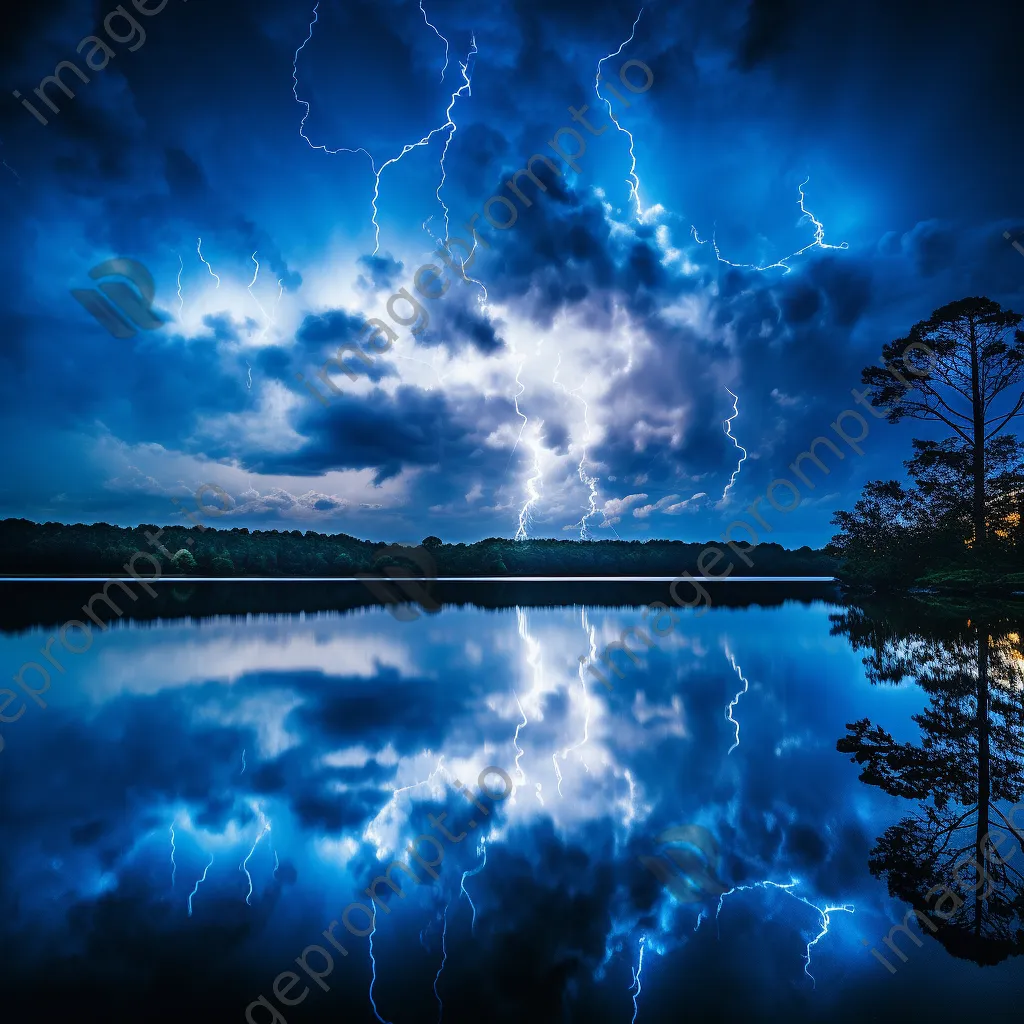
(957, 364)
(957, 861)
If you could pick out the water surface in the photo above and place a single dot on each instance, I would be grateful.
(201, 799)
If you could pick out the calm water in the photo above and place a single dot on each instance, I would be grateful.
(199, 801)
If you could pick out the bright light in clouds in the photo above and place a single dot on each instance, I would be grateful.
(533, 470)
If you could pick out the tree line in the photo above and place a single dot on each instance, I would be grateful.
(101, 549)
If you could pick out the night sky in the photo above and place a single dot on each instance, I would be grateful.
(599, 312)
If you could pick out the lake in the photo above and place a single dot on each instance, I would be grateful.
(204, 820)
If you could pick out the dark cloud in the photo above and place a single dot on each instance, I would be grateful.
(383, 271)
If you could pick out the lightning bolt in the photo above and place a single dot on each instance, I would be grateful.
(439, 36)
(449, 126)
(630, 801)
(632, 181)
(256, 274)
(481, 849)
(728, 430)
(588, 481)
(242, 772)
(783, 264)
(248, 384)
(533, 495)
(823, 912)
(372, 831)
(373, 962)
(295, 93)
(199, 249)
(451, 135)
(264, 829)
(515, 738)
(198, 883)
(174, 867)
(826, 920)
(277, 864)
(589, 630)
(444, 959)
(735, 700)
(181, 301)
(636, 978)
(533, 655)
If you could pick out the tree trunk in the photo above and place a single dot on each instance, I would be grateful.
(984, 776)
(978, 460)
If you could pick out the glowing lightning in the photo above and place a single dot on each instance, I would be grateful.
(481, 849)
(826, 920)
(588, 481)
(242, 772)
(439, 36)
(264, 829)
(819, 241)
(449, 125)
(632, 181)
(198, 883)
(451, 135)
(533, 659)
(373, 962)
(181, 301)
(735, 700)
(199, 249)
(636, 979)
(256, 274)
(823, 912)
(589, 630)
(174, 867)
(728, 430)
(372, 831)
(515, 738)
(295, 86)
(444, 959)
(533, 495)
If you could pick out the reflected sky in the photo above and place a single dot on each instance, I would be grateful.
(294, 757)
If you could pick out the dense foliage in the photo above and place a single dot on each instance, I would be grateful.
(101, 549)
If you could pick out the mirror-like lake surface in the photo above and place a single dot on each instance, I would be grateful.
(200, 802)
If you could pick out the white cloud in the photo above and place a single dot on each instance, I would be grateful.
(683, 506)
(646, 510)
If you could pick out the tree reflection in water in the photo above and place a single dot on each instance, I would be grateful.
(959, 857)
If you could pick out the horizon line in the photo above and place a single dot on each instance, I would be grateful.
(421, 579)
